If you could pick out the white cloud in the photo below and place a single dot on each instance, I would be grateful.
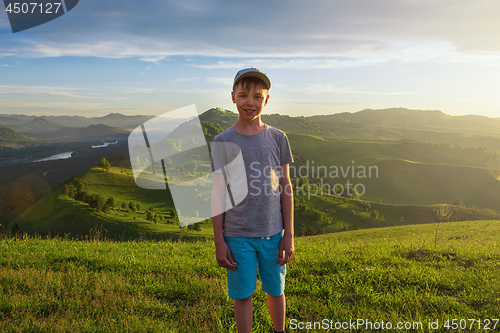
(57, 92)
(146, 69)
(153, 59)
(345, 32)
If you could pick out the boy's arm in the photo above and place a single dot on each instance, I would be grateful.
(222, 251)
(287, 243)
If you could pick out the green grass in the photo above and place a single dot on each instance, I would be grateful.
(410, 273)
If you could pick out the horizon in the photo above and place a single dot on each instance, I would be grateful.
(235, 112)
(341, 56)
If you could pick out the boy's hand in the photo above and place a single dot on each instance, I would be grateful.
(286, 244)
(224, 256)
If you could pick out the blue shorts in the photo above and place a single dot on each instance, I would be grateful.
(248, 252)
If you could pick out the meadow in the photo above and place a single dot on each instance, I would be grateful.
(387, 256)
(406, 274)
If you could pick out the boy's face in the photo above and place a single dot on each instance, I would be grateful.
(250, 101)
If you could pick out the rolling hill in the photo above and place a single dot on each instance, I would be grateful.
(8, 135)
(303, 125)
(416, 119)
(421, 125)
(57, 214)
(402, 173)
(409, 180)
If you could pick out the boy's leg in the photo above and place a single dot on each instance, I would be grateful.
(272, 278)
(243, 314)
(242, 281)
(277, 305)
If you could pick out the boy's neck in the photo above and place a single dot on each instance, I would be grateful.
(249, 128)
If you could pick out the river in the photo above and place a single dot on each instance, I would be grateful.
(60, 156)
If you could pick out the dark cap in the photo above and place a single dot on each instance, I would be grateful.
(252, 72)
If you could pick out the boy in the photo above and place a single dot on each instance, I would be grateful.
(258, 231)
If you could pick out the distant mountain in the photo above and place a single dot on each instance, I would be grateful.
(101, 130)
(403, 118)
(41, 125)
(8, 135)
(112, 119)
(36, 125)
(91, 131)
(5, 120)
(120, 120)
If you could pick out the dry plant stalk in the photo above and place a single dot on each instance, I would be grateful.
(444, 213)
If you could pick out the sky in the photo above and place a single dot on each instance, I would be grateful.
(322, 56)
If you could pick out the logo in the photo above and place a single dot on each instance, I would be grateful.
(172, 149)
(28, 14)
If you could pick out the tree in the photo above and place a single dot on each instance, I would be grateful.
(81, 196)
(111, 202)
(66, 190)
(82, 186)
(191, 167)
(105, 209)
(104, 164)
(96, 202)
(77, 182)
(458, 202)
(149, 215)
(168, 163)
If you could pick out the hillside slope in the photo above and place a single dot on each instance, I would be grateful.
(413, 275)
(303, 125)
(8, 135)
(316, 213)
(401, 173)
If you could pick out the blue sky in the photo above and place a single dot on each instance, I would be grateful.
(323, 57)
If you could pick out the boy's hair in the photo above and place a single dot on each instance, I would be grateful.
(249, 82)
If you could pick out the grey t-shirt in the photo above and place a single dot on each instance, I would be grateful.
(259, 214)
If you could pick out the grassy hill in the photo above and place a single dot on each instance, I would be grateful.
(57, 214)
(412, 275)
(407, 173)
(403, 182)
(304, 125)
(8, 135)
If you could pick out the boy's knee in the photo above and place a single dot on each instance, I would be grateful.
(249, 298)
